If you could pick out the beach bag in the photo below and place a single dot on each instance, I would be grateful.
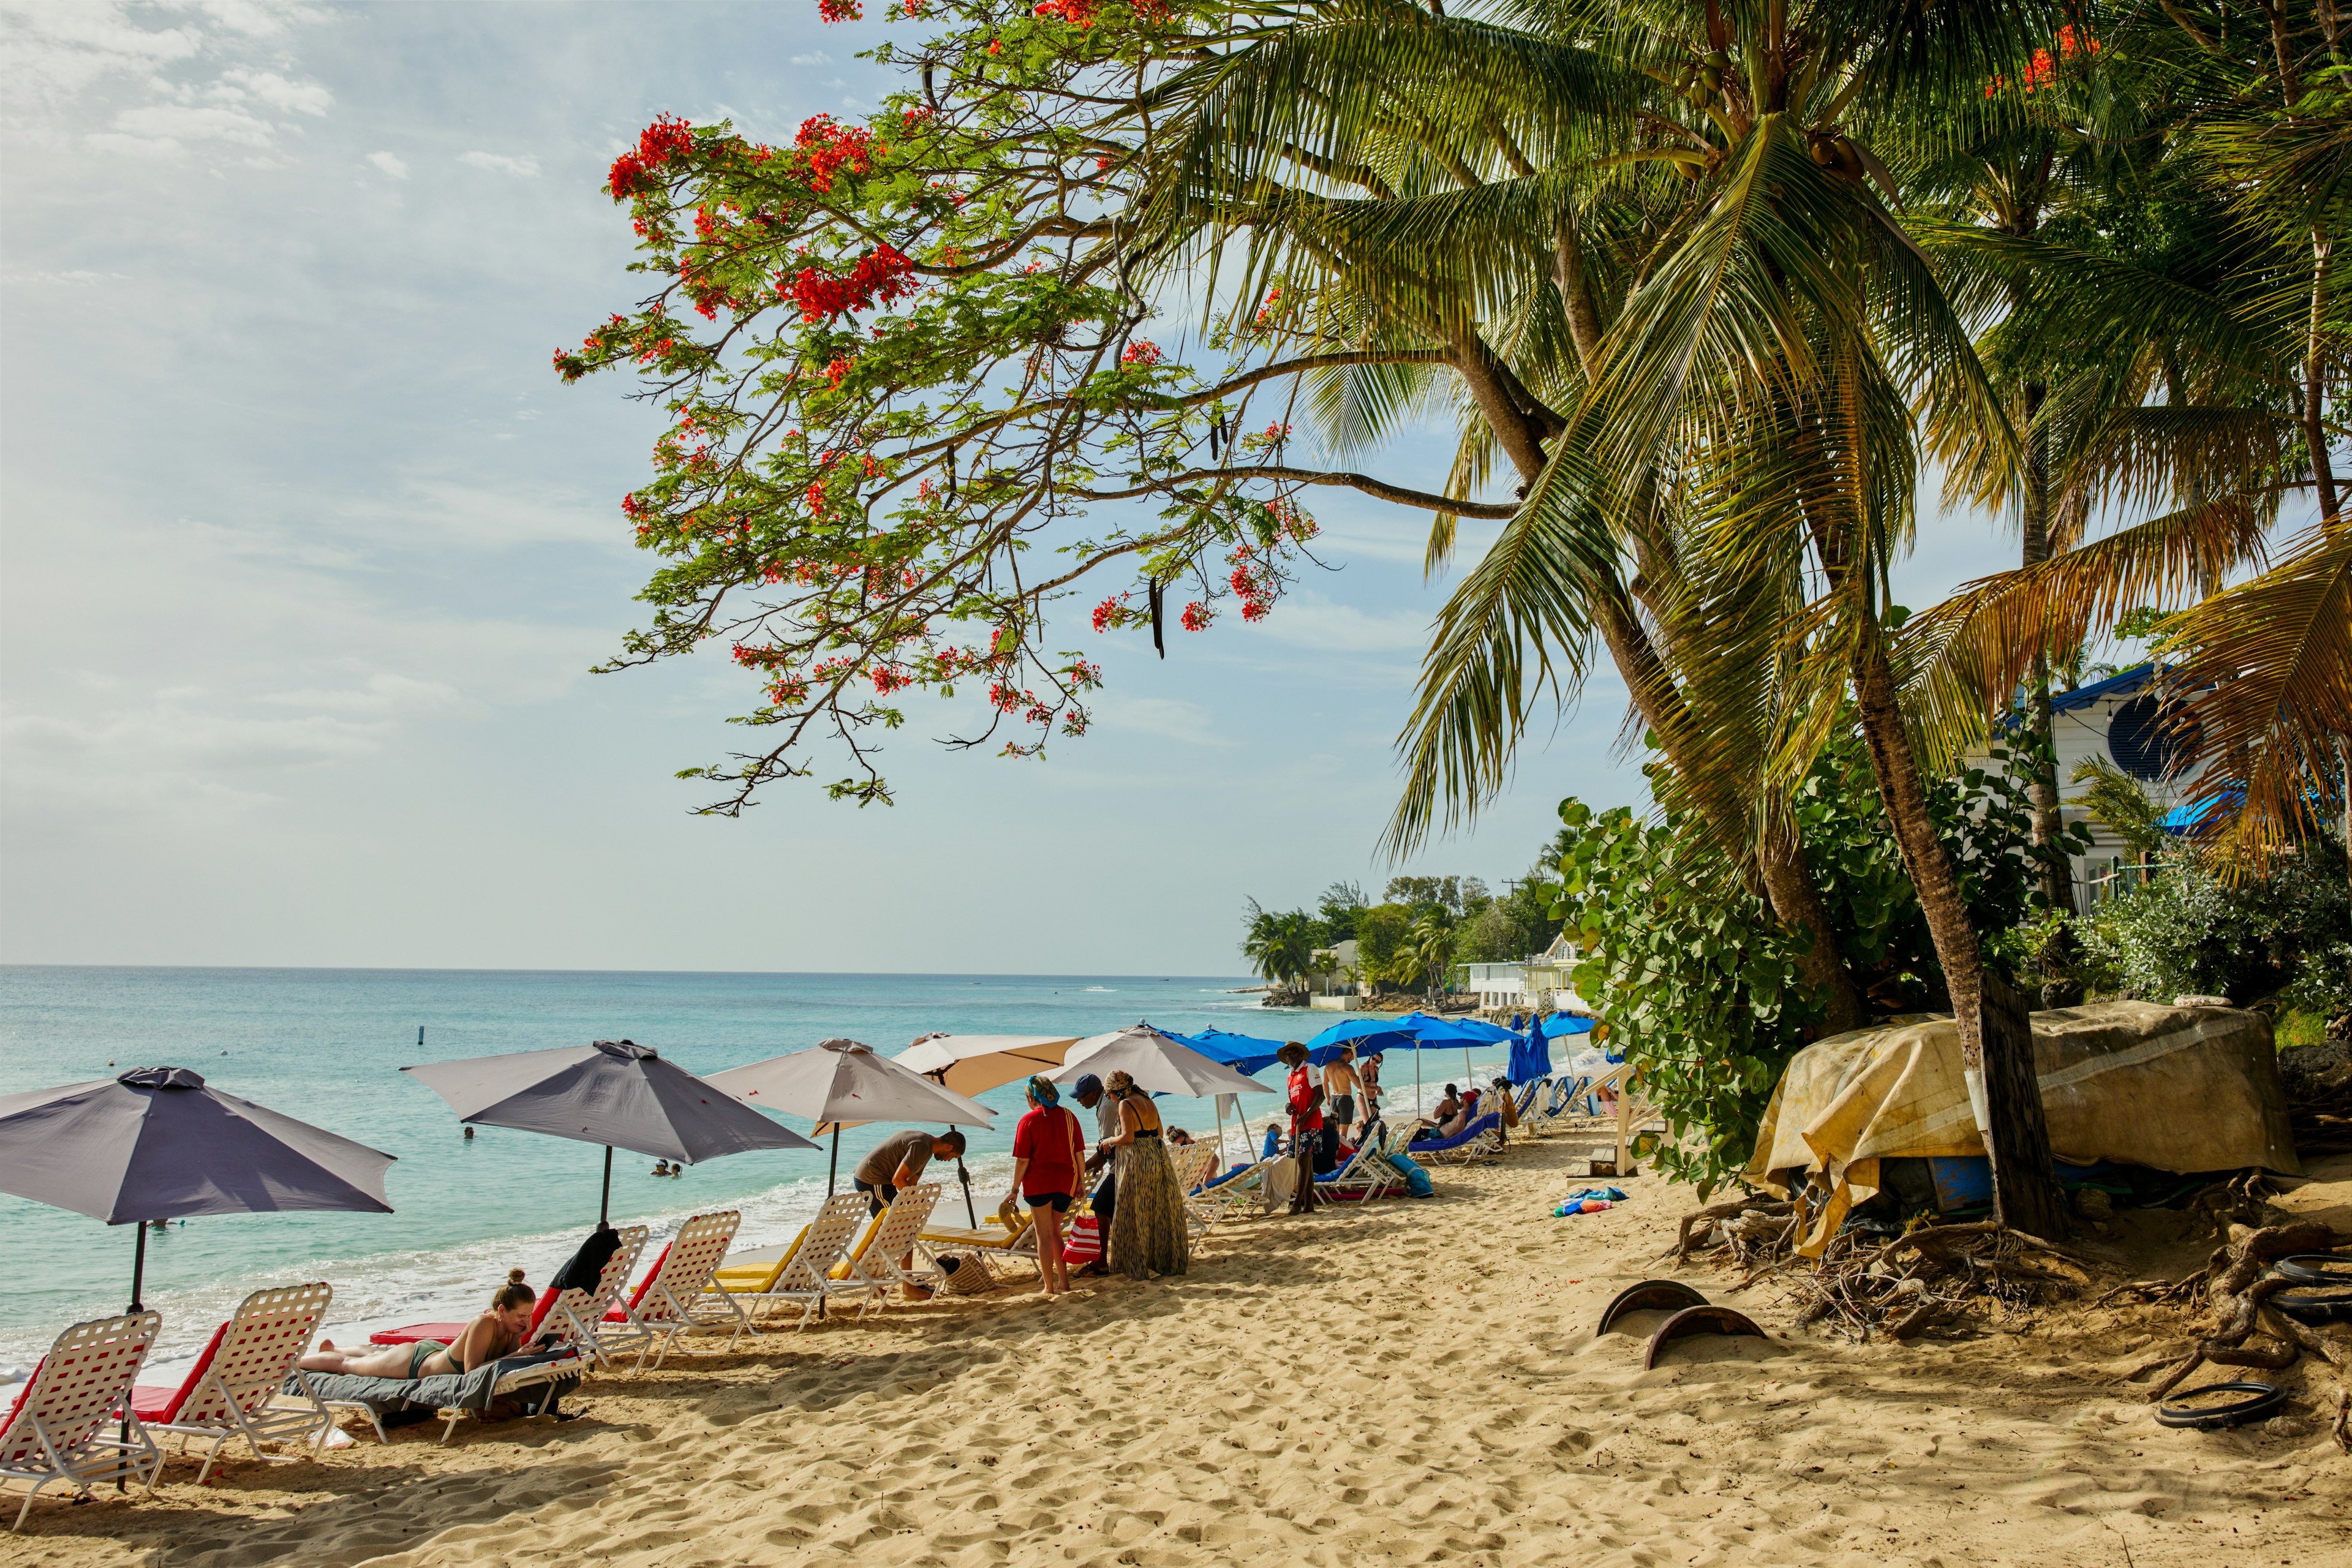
(964, 1274)
(1082, 1243)
(1416, 1180)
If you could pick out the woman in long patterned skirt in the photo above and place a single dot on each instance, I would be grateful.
(1147, 1228)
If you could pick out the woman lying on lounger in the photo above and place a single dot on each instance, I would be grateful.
(497, 1332)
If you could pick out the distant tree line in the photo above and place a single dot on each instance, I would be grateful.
(1413, 939)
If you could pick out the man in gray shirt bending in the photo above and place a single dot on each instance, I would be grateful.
(897, 1161)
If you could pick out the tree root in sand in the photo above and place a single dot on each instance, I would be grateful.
(2234, 1285)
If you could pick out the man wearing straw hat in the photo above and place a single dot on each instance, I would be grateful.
(1306, 1098)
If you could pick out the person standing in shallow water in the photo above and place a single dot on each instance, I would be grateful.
(1148, 1234)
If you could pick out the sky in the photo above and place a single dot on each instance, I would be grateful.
(304, 556)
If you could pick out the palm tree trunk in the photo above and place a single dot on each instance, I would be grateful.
(2057, 876)
(2315, 387)
(1995, 1043)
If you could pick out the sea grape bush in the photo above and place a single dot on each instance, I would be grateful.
(1705, 990)
(911, 400)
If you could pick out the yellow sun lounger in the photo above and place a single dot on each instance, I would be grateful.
(799, 1277)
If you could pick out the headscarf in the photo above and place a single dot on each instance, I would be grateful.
(1121, 1083)
(1044, 1094)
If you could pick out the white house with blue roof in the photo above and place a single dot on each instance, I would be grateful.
(2117, 722)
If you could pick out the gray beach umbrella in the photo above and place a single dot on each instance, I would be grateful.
(614, 1092)
(843, 1083)
(157, 1143)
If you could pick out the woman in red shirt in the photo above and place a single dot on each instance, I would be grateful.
(1047, 1147)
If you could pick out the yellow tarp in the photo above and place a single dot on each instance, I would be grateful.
(2174, 1089)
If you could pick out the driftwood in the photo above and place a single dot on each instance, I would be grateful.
(2240, 1294)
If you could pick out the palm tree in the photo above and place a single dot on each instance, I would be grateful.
(1280, 945)
(1722, 402)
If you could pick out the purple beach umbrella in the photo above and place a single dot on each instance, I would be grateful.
(614, 1092)
(157, 1143)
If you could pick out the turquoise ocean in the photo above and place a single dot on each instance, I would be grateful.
(326, 1046)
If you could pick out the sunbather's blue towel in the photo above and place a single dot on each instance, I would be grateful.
(460, 1390)
(1416, 1180)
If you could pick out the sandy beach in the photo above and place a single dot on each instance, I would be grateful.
(1415, 1383)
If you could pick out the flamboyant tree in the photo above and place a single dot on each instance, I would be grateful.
(928, 409)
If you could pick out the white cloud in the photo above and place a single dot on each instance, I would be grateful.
(391, 163)
(274, 91)
(1187, 723)
(499, 162)
(818, 58)
(170, 127)
(1306, 619)
(56, 49)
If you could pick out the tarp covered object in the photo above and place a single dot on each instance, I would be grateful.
(2173, 1089)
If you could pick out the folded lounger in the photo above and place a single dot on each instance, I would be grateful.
(1242, 1190)
(64, 1425)
(453, 1396)
(234, 1390)
(677, 1296)
(872, 1267)
(798, 1277)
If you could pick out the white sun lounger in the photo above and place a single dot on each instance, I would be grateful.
(677, 1297)
(875, 1266)
(799, 1277)
(64, 1426)
(233, 1391)
(577, 1318)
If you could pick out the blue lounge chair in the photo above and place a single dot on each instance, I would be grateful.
(1476, 1142)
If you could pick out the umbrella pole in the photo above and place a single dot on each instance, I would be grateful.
(1468, 1078)
(971, 1215)
(1416, 1080)
(833, 1169)
(137, 1282)
(604, 1203)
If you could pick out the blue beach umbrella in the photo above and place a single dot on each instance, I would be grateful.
(1242, 1053)
(1434, 1031)
(1370, 1037)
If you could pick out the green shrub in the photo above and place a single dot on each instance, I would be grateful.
(2287, 935)
(1703, 988)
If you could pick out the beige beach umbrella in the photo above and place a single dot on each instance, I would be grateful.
(1157, 1062)
(842, 1083)
(974, 1064)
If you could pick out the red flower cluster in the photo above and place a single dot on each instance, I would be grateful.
(841, 10)
(1196, 616)
(1111, 611)
(1076, 13)
(2042, 70)
(1272, 307)
(831, 148)
(837, 369)
(1139, 352)
(885, 275)
(632, 173)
